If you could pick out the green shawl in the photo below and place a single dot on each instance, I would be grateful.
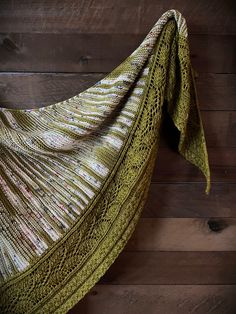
(75, 175)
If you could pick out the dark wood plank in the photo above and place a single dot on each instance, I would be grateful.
(22, 90)
(216, 91)
(172, 268)
(33, 90)
(206, 51)
(103, 52)
(111, 16)
(172, 200)
(172, 167)
(155, 299)
(184, 234)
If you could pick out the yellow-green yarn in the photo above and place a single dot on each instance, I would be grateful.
(58, 278)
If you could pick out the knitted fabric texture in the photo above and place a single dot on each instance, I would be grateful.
(75, 175)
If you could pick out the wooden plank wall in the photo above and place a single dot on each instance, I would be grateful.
(181, 258)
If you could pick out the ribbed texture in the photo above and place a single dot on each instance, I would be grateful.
(75, 174)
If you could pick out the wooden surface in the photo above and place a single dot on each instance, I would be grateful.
(181, 257)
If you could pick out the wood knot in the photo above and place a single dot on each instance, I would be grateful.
(84, 59)
(216, 225)
(94, 292)
(9, 44)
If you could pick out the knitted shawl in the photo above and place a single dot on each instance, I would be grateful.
(75, 175)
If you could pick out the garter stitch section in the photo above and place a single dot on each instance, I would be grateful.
(75, 175)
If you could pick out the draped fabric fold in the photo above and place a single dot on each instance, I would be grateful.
(75, 175)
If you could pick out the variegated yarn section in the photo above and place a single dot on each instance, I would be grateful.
(45, 189)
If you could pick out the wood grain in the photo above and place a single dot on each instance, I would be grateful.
(42, 52)
(172, 268)
(33, 90)
(184, 234)
(26, 90)
(158, 299)
(111, 16)
(172, 200)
